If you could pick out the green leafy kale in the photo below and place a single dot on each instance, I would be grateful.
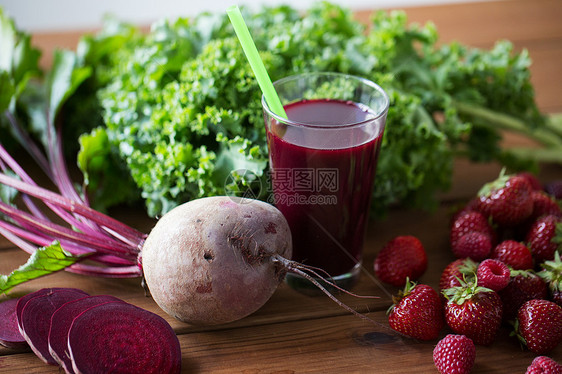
(182, 107)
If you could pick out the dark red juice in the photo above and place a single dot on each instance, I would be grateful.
(322, 180)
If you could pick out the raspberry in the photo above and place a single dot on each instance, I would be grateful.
(493, 274)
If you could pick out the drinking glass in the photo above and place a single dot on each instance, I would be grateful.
(323, 159)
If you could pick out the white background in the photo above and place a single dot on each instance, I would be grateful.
(59, 15)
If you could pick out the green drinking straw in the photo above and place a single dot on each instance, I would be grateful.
(255, 61)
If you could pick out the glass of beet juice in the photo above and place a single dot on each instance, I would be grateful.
(323, 159)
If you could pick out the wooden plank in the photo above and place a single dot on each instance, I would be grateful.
(330, 345)
(546, 76)
(481, 23)
(339, 344)
(286, 304)
(478, 24)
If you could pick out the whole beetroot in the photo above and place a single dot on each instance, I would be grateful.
(212, 260)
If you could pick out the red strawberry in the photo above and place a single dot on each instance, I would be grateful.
(474, 311)
(544, 365)
(534, 182)
(544, 203)
(539, 325)
(551, 273)
(524, 285)
(507, 200)
(470, 221)
(417, 312)
(475, 245)
(454, 354)
(493, 274)
(402, 257)
(545, 237)
(462, 268)
(514, 254)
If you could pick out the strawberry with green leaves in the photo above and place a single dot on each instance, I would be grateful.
(474, 311)
(454, 272)
(545, 237)
(417, 312)
(539, 325)
(401, 258)
(551, 273)
(507, 200)
(454, 354)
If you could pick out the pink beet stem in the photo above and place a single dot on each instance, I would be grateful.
(132, 271)
(61, 232)
(74, 207)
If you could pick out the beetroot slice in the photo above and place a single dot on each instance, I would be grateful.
(10, 335)
(123, 338)
(24, 299)
(35, 320)
(62, 320)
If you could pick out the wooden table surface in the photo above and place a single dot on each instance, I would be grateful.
(293, 333)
